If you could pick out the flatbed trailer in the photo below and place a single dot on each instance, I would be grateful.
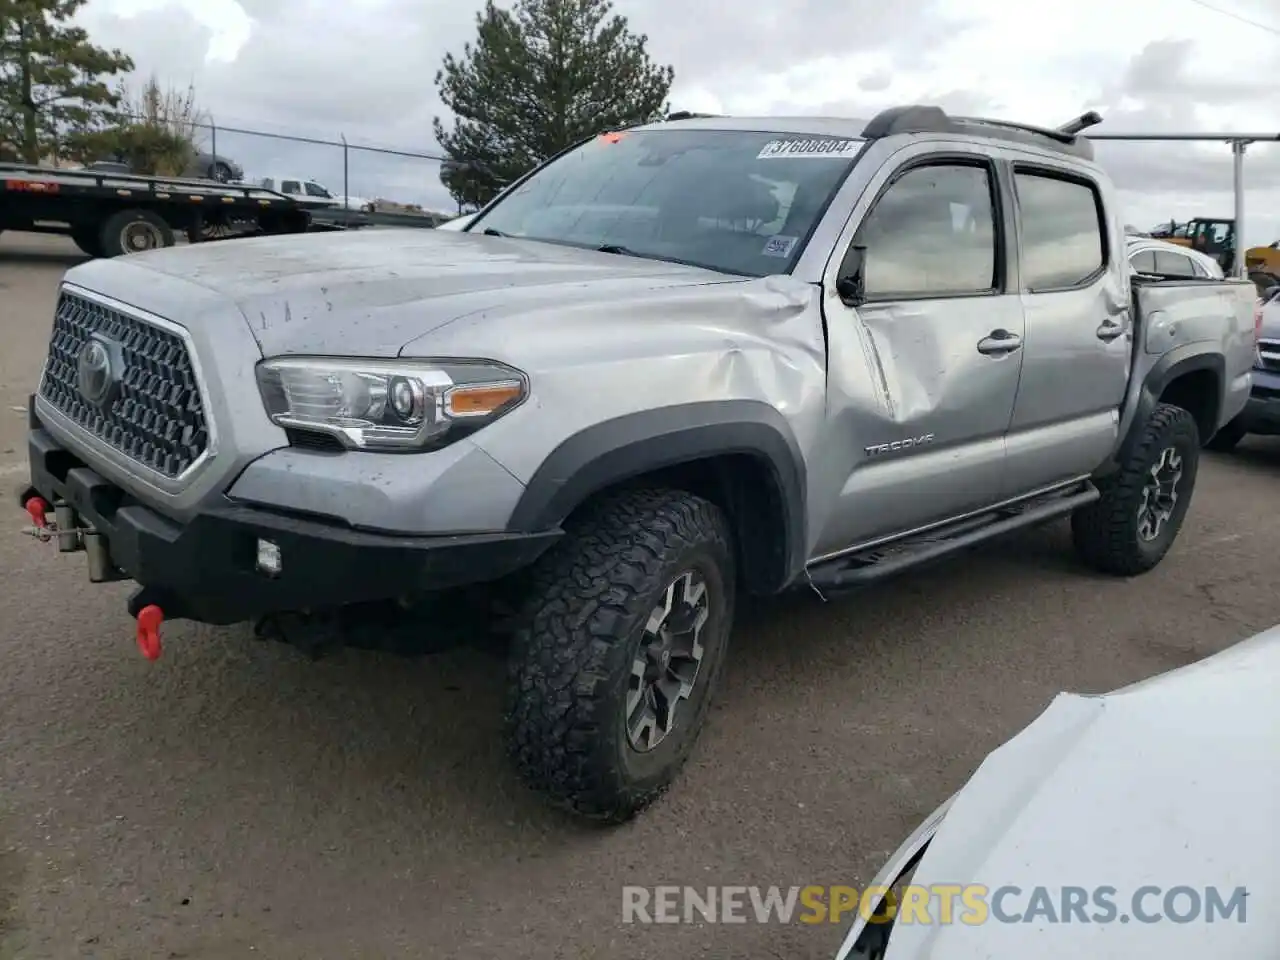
(352, 219)
(108, 214)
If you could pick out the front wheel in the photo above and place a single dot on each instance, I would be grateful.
(619, 651)
(1134, 523)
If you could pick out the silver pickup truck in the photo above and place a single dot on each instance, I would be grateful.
(674, 364)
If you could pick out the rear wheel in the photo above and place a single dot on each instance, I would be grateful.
(619, 650)
(87, 239)
(1132, 526)
(133, 231)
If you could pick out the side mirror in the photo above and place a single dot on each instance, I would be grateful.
(851, 284)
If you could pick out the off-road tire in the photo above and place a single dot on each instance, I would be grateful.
(1226, 439)
(112, 233)
(581, 627)
(1105, 533)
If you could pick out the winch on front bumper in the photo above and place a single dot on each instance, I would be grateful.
(233, 563)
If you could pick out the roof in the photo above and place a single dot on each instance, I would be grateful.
(917, 119)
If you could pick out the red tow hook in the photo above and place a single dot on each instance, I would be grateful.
(149, 619)
(36, 509)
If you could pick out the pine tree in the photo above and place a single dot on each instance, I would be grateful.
(540, 77)
(53, 80)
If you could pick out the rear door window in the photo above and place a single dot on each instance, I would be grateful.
(1064, 236)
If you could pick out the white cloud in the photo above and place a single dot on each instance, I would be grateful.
(365, 68)
(226, 21)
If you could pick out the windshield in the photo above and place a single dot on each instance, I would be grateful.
(741, 202)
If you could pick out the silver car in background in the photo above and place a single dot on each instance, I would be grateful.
(1153, 257)
(1157, 805)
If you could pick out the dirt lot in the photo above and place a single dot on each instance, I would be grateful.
(234, 797)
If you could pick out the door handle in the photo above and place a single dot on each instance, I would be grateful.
(1109, 330)
(998, 343)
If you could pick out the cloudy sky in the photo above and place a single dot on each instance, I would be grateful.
(365, 69)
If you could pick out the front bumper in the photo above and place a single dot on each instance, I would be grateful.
(206, 569)
(1262, 412)
(868, 937)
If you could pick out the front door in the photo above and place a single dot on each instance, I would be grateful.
(923, 375)
(1079, 342)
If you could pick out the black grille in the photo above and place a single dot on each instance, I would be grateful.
(1269, 355)
(155, 415)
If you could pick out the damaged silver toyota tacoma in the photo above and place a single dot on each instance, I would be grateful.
(675, 364)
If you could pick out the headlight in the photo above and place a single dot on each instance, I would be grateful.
(392, 405)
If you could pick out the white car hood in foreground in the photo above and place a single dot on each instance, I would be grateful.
(1173, 781)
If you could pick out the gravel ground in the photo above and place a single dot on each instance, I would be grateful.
(235, 799)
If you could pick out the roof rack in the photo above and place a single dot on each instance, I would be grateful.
(687, 115)
(920, 118)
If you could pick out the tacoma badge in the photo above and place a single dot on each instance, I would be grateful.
(893, 446)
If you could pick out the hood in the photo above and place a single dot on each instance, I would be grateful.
(1172, 781)
(371, 292)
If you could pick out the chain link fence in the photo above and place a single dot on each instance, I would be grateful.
(354, 175)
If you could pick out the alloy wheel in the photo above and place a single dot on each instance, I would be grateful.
(667, 662)
(1159, 494)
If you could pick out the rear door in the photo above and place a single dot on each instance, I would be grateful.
(1075, 367)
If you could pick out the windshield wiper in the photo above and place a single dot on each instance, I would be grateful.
(628, 252)
(490, 232)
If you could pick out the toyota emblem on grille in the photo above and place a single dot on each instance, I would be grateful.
(95, 373)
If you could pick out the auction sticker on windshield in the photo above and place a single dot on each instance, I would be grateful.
(810, 148)
(779, 246)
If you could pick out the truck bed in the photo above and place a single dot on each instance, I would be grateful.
(1178, 319)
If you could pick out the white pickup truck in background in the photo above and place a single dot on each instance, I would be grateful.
(312, 193)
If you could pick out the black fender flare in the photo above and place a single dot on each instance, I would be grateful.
(1174, 364)
(622, 448)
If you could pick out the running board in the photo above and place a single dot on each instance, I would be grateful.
(889, 559)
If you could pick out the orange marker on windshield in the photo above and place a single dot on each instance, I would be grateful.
(610, 137)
